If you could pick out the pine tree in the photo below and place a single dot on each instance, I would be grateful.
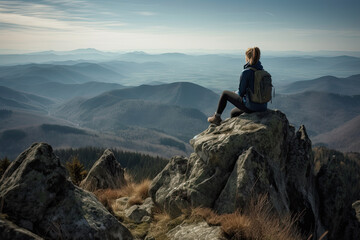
(76, 170)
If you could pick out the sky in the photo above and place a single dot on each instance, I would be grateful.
(179, 25)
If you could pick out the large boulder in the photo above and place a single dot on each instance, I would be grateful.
(258, 153)
(37, 196)
(105, 173)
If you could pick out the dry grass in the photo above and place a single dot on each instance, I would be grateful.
(108, 196)
(254, 223)
(163, 223)
(137, 193)
(257, 222)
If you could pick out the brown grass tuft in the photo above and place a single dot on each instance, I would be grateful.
(108, 196)
(206, 214)
(137, 193)
(264, 224)
(234, 225)
(257, 222)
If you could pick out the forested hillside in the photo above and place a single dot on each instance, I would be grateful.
(139, 166)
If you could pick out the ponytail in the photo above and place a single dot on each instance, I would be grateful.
(253, 54)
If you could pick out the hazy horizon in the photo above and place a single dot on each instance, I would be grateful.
(235, 52)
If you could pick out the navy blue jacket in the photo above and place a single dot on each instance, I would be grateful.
(247, 81)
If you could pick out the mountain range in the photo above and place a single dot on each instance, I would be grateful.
(77, 73)
(104, 98)
(213, 71)
(21, 128)
(129, 107)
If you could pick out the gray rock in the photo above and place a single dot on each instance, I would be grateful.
(148, 205)
(37, 196)
(251, 176)
(195, 231)
(252, 154)
(9, 230)
(105, 173)
(136, 213)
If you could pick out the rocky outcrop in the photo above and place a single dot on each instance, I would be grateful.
(105, 173)
(37, 196)
(258, 153)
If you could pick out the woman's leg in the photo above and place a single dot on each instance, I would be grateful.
(232, 97)
(236, 112)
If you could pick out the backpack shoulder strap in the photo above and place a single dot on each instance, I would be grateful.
(254, 69)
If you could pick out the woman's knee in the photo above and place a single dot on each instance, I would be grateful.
(235, 112)
(225, 94)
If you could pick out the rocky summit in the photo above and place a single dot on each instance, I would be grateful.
(105, 173)
(38, 197)
(258, 153)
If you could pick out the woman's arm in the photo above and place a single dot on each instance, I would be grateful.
(243, 85)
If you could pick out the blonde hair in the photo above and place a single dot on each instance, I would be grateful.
(253, 54)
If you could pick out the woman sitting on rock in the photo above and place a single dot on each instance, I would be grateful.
(240, 99)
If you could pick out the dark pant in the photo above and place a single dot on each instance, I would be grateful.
(236, 100)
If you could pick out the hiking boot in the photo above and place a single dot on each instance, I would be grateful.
(215, 120)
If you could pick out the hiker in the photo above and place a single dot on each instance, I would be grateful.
(241, 99)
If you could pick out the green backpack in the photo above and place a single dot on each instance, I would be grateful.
(262, 86)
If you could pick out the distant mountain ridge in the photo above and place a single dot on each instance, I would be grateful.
(113, 114)
(344, 138)
(330, 84)
(20, 128)
(11, 99)
(320, 112)
(177, 109)
(145, 115)
(64, 92)
(77, 73)
(183, 94)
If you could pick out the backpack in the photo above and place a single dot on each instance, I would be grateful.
(262, 86)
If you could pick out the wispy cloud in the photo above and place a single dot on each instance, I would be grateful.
(270, 14)
(144, 13)
(36, 22)
(52, 17)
